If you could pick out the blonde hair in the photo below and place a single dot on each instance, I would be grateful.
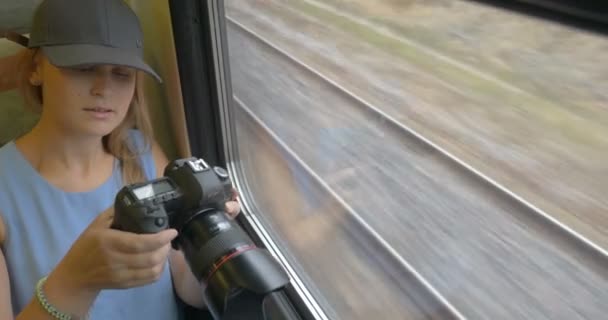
(117, 142)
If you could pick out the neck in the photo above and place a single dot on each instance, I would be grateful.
(52, 149)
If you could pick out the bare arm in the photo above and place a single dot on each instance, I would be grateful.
(8, 72)
(185, 283)
(57, 293)
(6, 310)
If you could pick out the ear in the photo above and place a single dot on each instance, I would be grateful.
(36, 77)
(36, 74)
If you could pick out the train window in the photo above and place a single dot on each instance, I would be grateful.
(426, 159)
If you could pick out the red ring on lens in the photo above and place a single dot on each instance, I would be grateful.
(225, 258)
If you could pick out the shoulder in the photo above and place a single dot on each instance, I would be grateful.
(4, 150)
(11, 175)
(14, 174)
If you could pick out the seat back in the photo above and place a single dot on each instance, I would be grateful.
(14, 119)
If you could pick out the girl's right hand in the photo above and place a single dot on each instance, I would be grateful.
(105, 258)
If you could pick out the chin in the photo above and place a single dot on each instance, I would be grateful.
(98, 130)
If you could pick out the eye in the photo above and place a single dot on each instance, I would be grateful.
(123, 72)
(86, 69)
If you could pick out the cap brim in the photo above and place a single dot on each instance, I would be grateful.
(76, 55)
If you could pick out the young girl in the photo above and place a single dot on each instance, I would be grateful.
(83, 72)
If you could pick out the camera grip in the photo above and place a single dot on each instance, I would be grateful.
(140, 219)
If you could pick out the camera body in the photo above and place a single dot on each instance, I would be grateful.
(190, 198)
(188, 187)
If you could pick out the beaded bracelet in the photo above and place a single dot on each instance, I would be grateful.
(46, 305)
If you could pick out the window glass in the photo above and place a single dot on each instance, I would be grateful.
(423, 159)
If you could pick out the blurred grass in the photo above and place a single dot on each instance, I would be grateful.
(547, 112)
(497, 41)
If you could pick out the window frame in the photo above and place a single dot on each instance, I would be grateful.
(201, 44)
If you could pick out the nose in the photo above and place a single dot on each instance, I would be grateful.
(102, 82)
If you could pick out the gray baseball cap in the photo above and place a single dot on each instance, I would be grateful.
(78, 33)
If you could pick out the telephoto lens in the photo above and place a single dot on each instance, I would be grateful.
(190, 198)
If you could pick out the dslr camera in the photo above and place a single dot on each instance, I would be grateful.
(190, 197)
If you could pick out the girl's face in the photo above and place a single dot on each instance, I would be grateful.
(89, 101)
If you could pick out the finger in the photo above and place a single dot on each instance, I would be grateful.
(129, 242)
(106, 218)
(129, 278)
(103, 219)
(235, 194)
(142, 260)
(150, 275)
(233, 208)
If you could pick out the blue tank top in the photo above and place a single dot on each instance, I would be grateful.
(43, 222)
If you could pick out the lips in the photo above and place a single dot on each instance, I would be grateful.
(100, 113)
(99, 110)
